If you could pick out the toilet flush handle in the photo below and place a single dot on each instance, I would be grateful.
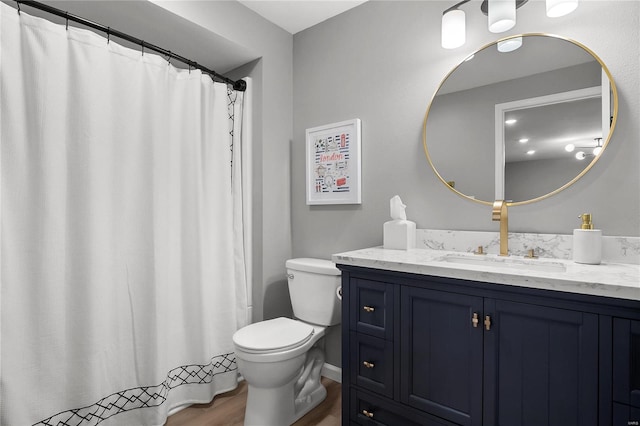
(290, 276)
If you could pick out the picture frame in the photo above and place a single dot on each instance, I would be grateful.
(333, 160)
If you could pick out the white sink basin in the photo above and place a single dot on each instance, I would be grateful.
(504, 262)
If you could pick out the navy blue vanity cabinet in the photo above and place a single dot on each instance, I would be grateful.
(441, 345)
(626, 371)
(540, 365)
(426, 350)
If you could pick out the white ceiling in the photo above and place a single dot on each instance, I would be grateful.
(297, 15)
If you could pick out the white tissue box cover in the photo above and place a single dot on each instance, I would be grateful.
(399, 235)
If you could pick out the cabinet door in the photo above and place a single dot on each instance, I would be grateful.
(541, 366)
(626, 362)
(441, 354)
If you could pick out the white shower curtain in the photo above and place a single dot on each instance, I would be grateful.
(122, 268)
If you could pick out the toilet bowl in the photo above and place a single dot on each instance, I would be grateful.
(280, 359)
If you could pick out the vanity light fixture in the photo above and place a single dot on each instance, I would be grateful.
(580, 155)
(501, 16)
(557, 8)
(453, 28)
(570, 147)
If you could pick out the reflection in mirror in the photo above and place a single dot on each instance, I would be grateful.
(540, 150)
(552, 87)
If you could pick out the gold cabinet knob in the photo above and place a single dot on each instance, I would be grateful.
(367, 413)
(475, 320)
(368, 308)
(487, 322)
(368, 364)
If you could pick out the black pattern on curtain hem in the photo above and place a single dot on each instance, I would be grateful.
(143, 396)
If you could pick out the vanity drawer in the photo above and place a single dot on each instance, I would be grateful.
(368, 409)
(372, 308)
(372, 363)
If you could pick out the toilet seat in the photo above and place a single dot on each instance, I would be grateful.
(276, 335)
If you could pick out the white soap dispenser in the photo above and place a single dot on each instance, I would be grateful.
(587, 242)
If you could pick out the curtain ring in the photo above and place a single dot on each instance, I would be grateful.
(169, 58)
(142, 44)
(108, 34)
(66, 15)
(18, 4)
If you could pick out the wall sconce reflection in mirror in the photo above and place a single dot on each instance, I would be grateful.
(501, 17)
(581, 155)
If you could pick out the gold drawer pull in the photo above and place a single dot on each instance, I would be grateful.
(368, 308)
(368, 364)
(487, 322)
(367, 413)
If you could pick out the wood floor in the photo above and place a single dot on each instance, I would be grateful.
(227, 409)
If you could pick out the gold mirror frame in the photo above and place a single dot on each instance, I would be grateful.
(613, 90)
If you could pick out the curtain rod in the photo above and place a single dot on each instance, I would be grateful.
(239, 85)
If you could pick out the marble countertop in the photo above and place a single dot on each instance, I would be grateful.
(618, 280)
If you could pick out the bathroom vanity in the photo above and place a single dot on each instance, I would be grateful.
(432, 337)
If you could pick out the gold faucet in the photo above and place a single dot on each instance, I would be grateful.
(500, 213)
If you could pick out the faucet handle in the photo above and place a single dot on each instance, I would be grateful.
(531, 254)
(480, 250)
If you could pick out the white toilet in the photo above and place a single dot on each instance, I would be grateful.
(280, 358)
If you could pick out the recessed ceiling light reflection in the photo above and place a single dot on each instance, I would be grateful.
(510, 121)
(524, 140)
(531, 152)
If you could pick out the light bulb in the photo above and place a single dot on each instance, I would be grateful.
(570, 147)
(502, 15)
(580, 155)
(557, 8)
(597, 150)
(453, 29)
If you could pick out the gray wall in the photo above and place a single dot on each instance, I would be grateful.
(531, 179)
(382, 62)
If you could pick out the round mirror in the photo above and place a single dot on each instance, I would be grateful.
(520, 125)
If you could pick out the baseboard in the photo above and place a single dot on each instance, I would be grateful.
(332, 372)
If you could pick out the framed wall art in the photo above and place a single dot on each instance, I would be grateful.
(333, 163)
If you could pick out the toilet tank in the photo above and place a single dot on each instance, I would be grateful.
(313, 288)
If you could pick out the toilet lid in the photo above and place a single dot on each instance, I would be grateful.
(278, 334)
